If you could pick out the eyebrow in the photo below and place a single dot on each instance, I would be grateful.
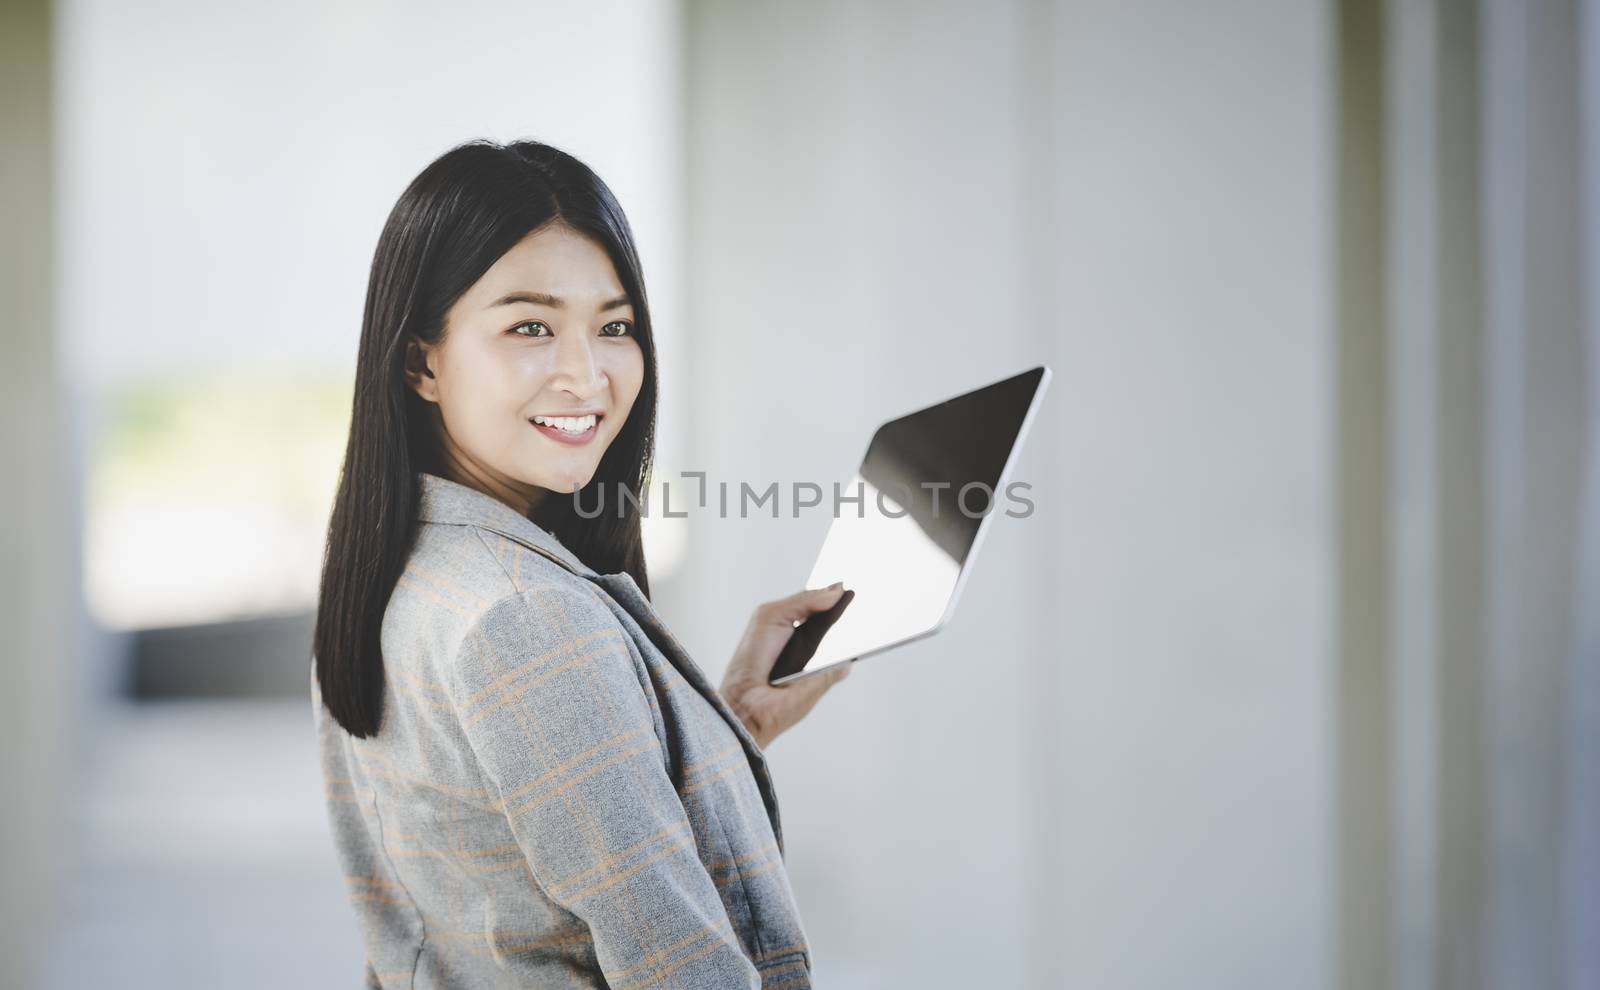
(554, 302)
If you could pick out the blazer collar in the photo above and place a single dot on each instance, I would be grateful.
(441, 500)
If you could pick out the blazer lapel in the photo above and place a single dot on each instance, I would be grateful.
(625, 591)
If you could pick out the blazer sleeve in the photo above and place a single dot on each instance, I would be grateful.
(558, 718)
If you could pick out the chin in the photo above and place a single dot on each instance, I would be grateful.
(566, 485)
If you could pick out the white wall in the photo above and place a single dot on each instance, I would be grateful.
(1115, 768)
(227, 168)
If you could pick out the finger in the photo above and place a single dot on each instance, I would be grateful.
(803, 603)
(808, 690)
(808, 693)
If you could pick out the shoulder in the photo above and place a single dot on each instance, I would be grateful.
(556, 611)
(462, 580)
(465, 569)
(507, 596)
(552, 645)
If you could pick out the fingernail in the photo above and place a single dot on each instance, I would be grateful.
(836, 584)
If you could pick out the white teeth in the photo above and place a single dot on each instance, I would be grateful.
(567, 424)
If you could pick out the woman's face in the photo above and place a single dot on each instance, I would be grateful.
(536, 370)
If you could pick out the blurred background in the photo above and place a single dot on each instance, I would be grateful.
(1292, 679)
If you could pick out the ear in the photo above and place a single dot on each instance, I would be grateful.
(419, 370)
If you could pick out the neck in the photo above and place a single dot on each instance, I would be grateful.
(457, 467)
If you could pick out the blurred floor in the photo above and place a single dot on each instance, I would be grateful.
(198, 854)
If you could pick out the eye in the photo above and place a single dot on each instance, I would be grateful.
(531, 323)
(623, 329)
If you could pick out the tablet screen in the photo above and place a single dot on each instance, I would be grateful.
(928, 482)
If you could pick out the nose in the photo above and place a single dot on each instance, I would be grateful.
(576, 370)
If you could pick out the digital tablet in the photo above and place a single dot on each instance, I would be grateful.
(930, 485)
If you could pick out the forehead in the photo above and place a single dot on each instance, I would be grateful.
(555, 259)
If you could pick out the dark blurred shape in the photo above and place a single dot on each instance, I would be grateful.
(265, 657)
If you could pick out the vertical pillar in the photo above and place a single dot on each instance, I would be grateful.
(1361, 471)
(33, 555)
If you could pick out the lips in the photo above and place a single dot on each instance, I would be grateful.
(564, 429)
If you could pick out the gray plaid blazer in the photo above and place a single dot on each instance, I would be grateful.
(557, 796)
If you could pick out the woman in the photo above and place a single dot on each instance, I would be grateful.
(530, 782)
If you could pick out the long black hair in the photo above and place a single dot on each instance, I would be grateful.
(455, 220)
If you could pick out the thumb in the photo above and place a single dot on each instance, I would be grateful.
(802, 604)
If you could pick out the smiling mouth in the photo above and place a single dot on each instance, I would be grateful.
(570, 425)
(574, 430)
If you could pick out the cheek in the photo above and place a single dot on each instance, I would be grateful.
(627, 374)
(479, 388)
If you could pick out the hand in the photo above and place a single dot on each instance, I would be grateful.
(765, 710)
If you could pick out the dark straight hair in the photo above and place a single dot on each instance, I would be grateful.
(456, 219)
